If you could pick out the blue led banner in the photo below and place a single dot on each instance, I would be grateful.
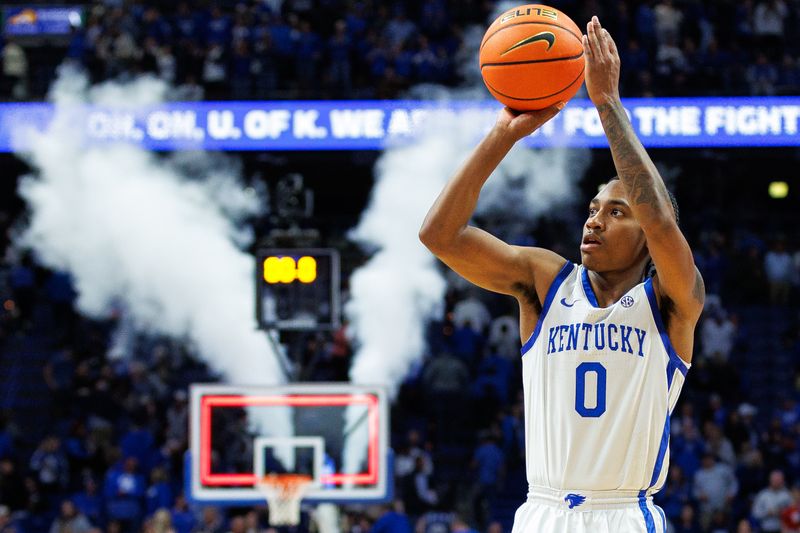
(374, 125)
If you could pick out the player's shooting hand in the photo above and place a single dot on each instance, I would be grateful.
(518, 125)
(602, 63)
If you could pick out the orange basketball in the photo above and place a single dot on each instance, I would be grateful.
(532, 57)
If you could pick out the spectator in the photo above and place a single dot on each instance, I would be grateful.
(714, 487)
(445, 378)
(399, 29)
(70, 520)
(687, 521)
(218, 28)
(460, 526)
(435, 521)
(340, 50)
(178, 417)
(778, 267)
(668, 21)
(237, 525)
(15, 71)
(473, 313)
(513, 427)
(762, 76)
(467, 343)
(420, 497)
(161, 522)
(50, 465)
(166, 64)
(770, 503)
(676, 494)
(182, 517)
(392, 520)
(490, 388)
(768, 23)
(159, 493)
(717, 334)
(308, 53)
(211, 521)
(241, 71)
(124, 494)
(504, 336)
(265, 66)
(12, 487)
(740, 427)
(719, 445)
(790, 516)
(214, 71)
(645, 24)
(6, 524)
(488, 462)
(789, 83)
(89, 501)
(406, 461)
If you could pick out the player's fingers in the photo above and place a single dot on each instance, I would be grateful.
(611, 46)
(603, 37)
(592, 32)
(587, 49)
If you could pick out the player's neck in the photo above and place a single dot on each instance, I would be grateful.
(610, 286)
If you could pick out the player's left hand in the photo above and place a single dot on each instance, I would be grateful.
(602, 63)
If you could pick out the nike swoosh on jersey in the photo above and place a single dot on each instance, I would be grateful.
(565, 304)
(547, 36)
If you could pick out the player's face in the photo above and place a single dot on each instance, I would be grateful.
(612, 238)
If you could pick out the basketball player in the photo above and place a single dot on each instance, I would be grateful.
(607, 343)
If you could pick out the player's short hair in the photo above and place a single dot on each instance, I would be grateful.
(671, 199)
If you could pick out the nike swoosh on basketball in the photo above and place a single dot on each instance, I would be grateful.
(565, 304)
(547, 36)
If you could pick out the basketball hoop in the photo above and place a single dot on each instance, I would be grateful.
(283, 493)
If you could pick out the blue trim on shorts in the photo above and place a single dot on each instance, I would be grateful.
(663, 518)
(548, 300)
(648, 516)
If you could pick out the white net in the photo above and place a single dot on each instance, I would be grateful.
(283, 493)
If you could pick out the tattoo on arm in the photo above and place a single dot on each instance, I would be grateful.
(634, 166)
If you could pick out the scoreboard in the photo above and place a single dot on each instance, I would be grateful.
(297, 289)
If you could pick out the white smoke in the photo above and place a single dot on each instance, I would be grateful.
(395, 294)
(159, 238)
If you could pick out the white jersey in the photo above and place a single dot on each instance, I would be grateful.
(599, 384)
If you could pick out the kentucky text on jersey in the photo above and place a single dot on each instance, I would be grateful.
(591, 337)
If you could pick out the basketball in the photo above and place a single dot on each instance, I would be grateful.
(531, 57)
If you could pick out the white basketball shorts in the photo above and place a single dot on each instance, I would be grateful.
(556, 511)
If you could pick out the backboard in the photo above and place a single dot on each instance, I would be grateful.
(336, 433)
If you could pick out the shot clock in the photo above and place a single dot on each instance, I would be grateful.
(297, 289)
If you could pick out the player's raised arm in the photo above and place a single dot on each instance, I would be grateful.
(678, 278)
(475, 254)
